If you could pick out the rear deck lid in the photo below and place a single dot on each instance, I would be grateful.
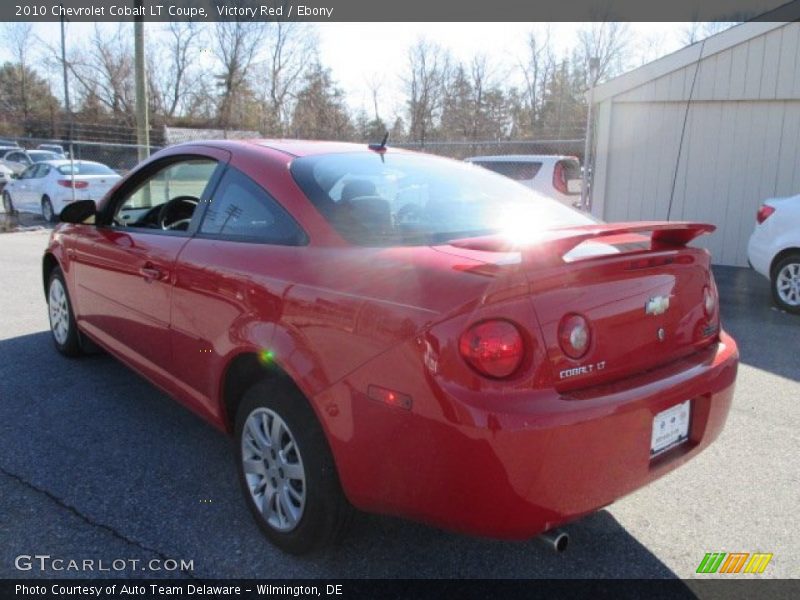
(642, 297)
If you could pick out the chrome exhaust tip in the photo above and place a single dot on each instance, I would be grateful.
(555, 539)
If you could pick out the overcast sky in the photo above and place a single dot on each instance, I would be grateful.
(359, 52)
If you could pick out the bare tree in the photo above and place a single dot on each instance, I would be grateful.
(237, 48)
(537, 69)
(429, 66)
(608, 42)
(18, 36)
(104, 70)
(290, 46)
(173, 68)
(375, 83)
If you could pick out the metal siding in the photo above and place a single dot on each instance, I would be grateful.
(676, 85)
(755, 63)
(738, 72)
(769, 69)
(735, 154)
(728, 161)
(722, 75)
(742, 141)
(787, 178)
(788, 78)
(706, 75)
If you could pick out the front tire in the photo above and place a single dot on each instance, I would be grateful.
(786, 283)
(8, 205)
(47, 210)
(62, 319)
(286, 470)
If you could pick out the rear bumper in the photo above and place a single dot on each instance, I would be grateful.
(758, 254)
(543, 461)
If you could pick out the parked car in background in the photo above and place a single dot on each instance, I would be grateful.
(47, 187)
(15, 159)
(774, 249)
(402, 333)
(38, 156)
(557, 177)
(6, 174)
(56, 148)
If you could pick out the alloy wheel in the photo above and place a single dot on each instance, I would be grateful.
(47, 210)
(59, 311)
(274, 470)
(787, 284)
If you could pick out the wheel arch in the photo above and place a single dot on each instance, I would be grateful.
(779, 257)
(243, 371)
(49, 262)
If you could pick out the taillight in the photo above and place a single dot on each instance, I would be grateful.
(493, 348)
(70, 183)
(574, 335)
(560, 177)
(764, 212)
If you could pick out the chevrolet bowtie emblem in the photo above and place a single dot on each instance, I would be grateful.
(657, 305)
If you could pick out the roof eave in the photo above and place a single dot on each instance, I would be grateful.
(682, 58)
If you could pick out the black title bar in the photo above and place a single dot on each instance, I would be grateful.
(399, 11)
(416, 589)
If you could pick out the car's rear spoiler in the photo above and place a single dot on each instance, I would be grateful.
(555, 243)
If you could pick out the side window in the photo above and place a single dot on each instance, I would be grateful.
(516, 170)
(28, 173)
(242, 210)
(167, 198)
(42, 171)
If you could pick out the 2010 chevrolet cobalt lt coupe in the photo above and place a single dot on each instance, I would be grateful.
(399, 333)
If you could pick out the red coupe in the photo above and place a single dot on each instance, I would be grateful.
(399, 333)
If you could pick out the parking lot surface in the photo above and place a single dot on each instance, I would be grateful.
(96, 463)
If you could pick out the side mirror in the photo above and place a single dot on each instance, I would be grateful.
(79, 212)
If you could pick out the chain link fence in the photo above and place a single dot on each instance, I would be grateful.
(466, 149)
(123, 157)
(120, 157)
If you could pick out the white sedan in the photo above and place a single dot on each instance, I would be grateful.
(555, 176)
(47, 187)
(774, 249)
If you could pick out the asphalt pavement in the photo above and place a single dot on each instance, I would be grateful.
(96, 463)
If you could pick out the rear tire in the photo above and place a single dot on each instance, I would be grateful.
(47, 210)
(786, 283)
(62, 319)
(286, 470)
(8, 205)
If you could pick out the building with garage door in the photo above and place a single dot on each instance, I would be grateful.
(703, 134)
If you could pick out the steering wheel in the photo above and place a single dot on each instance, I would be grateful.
(173, 214)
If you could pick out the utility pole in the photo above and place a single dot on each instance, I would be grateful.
(66, 103)
(142, 120)
(594, 65)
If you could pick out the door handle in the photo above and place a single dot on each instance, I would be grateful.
(151, 273)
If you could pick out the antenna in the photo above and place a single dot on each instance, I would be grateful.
(382, 146)
(683, 129)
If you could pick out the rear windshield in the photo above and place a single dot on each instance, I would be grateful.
(43, 156)
(85, 169)
(410, 199)
(516, 170)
